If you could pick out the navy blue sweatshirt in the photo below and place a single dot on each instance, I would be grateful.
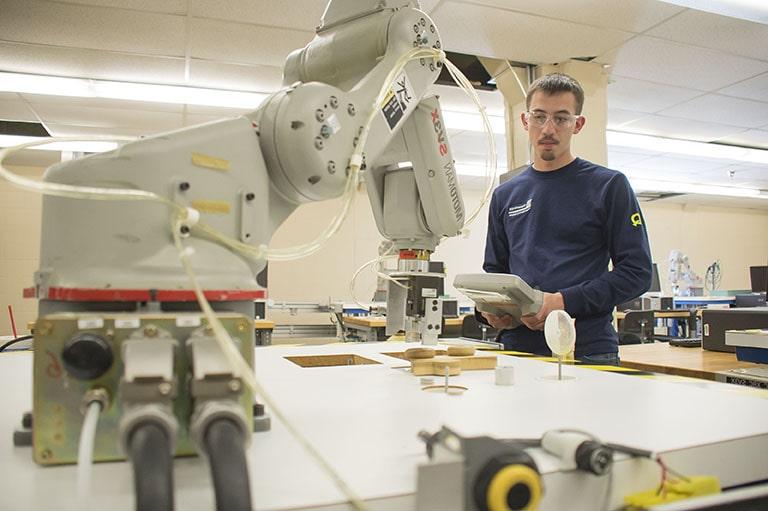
(557, 230)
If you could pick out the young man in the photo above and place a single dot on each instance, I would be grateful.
(558, 223)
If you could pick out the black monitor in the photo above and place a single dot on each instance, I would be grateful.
(758, 275)
(655, 284)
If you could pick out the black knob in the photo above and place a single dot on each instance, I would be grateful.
(87, 356)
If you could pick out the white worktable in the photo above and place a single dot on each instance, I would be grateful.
(365, 420)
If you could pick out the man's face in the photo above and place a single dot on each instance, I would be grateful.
(552, 140)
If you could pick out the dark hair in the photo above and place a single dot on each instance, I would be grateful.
(555, 83)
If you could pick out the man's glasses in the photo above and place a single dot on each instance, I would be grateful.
(560, 120)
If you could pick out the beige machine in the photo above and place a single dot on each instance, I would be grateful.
(119, 324)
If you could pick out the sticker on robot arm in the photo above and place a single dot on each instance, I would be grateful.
(397, 101)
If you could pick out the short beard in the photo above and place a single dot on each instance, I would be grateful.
(548, 156)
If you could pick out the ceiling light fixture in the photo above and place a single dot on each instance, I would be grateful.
(475, 169)
(471, 121)
(74, 146)
(154, 93)
(686, 147)
(649, 185)
(750, 10)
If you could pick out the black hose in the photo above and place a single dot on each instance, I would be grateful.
(14, 341)
(150, 454)
(225, 447)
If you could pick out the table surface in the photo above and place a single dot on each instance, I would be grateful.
(365, 418)
(660, 357)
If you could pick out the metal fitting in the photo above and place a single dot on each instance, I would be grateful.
(96, 394)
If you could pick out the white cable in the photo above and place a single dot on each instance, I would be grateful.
(377, 260)
(517, 78)
(248, 375)
(491, 157)
(85, 454)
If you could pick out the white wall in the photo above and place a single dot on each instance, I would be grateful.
(738, 237)
(19, 247)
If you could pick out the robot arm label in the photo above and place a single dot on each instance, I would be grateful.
(395, 103)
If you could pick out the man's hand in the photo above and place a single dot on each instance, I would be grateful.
(499, 322)
(551, 302)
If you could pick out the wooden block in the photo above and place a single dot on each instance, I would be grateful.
(461, 351)
(436, 366)
(419, 353)
(477, 362)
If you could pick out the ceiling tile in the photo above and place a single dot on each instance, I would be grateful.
(206, 73)
(618, 117)
(15, 109)
(731, 35)
(297, 14)
(744, 113)
(755, 88)
(659, 61)
(163, 6)
(490, 32)
(82, 26)
(642, 96)
(628, 15)
(243, 43)
(59, 61)
(672, 127)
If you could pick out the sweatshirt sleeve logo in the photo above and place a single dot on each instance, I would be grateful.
(520, 208)
(636, 220)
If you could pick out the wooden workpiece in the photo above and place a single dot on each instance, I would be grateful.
(418, 353)
(436, 366)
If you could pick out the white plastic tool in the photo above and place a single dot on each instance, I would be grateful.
(560, 333)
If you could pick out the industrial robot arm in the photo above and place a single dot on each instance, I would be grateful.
(354, 98)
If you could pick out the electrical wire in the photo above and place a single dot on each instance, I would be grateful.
(247, 374)
(85, 454)
(377, 260)
(491, 157)
(225, 449)
(14, 341)
(151, 458)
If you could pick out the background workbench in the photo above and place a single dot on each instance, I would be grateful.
(660, 357)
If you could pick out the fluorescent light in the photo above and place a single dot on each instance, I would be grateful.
(74, 146)
(648, 185)
(686, 147)
(470, 121)
(86, 88)
(475, 169)
(752, 10)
